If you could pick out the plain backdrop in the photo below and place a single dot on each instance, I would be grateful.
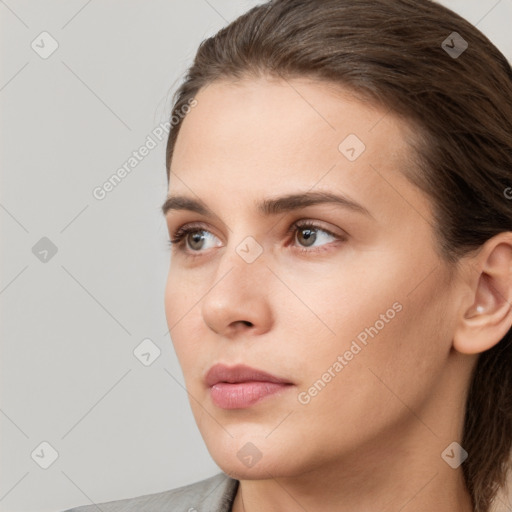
(83, 83)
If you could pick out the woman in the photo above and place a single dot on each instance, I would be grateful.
(340, 286)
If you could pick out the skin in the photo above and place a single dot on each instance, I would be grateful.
(372, 438)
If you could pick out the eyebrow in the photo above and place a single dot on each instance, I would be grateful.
(270, 206)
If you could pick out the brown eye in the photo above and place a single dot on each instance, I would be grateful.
(191, 239)
(307, 235)
(196, 239)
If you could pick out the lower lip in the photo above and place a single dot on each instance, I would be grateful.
(242, 394)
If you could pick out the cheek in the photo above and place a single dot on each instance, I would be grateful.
(171, 300)
(372, 389)
(392, 343)
(183, 293)
(179, 303)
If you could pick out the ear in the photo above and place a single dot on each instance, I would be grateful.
(486, 316)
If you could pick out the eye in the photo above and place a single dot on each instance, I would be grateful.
(192, 239)
(194, 235)
(308, 233)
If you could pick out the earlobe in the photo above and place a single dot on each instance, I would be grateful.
(489, 317)
(480, 309)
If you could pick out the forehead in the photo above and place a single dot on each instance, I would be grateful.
(278, 117)
(255, 136)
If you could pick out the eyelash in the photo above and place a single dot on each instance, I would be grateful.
(179, 238)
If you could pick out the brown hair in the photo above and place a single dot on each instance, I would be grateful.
(460, 105)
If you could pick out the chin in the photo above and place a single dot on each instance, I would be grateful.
(253, 460)
(262, 470)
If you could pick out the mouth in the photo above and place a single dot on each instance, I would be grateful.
(241, 386)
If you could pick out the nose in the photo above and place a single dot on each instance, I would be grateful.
(239, 297)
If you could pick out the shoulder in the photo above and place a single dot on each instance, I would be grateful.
(214, 494)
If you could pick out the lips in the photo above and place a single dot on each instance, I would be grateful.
(239, 373)
(241, 386)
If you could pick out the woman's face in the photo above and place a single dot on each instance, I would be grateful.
(352, 307)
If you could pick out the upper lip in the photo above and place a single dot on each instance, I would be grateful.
(239, 373)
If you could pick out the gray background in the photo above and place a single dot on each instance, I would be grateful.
(71, 322)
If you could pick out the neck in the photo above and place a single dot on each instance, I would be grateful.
(412, 482)
(400, 470)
